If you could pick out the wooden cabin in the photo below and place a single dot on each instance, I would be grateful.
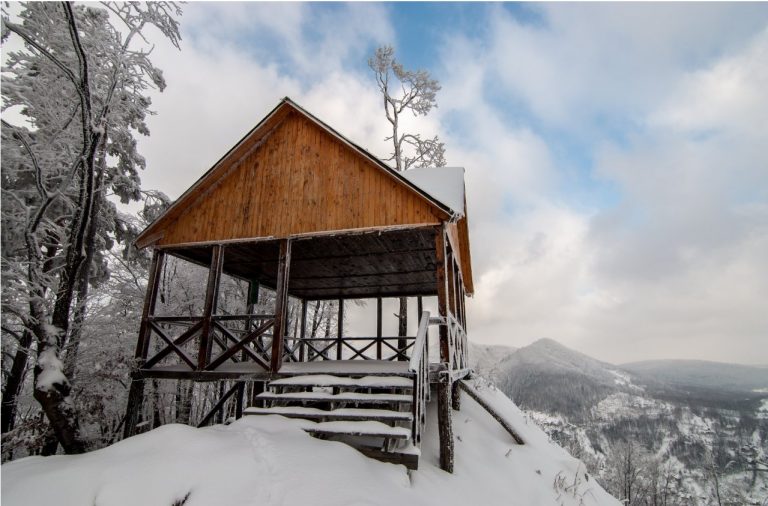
(297, 208)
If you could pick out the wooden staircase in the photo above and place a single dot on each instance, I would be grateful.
(378, 407)
(371, 413)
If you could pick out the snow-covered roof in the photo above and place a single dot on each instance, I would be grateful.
(444, 184)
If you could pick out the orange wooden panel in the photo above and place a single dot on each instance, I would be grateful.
(301, 179)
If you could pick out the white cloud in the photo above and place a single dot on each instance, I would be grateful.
(610, 60)
(673, 269)
(219, 88)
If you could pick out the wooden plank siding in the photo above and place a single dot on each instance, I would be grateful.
(300, 180)
(294, 175)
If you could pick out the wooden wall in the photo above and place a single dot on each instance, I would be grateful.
(299, 180)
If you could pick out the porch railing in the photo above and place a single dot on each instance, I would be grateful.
(237, 338)
(309, 349)
(419, 365)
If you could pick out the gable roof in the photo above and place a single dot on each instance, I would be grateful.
(253, 140)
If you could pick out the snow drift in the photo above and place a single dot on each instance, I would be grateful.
(271, 461)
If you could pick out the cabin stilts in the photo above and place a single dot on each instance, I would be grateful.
(300, 212)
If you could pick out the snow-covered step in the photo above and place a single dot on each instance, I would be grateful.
(341, 414)
(327, 380)
(368, 428)
(340, 397)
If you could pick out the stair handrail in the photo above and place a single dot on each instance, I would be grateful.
(419, 365)
(420, 345)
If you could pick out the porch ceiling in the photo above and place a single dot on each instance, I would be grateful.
(346, 265)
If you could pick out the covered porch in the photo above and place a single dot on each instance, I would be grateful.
(264, 339)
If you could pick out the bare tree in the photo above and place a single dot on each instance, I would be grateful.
(413, 91)
(407, 90)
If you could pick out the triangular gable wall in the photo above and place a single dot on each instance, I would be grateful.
(298, 179)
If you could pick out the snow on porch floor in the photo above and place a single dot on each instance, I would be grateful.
(344, 367)
(341, 367)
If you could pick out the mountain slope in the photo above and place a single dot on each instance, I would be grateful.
(270, 460)
(549, 377)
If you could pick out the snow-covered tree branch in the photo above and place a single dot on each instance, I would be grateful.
(80, 83)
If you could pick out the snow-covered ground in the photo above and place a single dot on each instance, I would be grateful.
(271, 461)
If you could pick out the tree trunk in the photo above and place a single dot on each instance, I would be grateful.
(52, 393)
(15, 381)
(83, 283)
(52, 388)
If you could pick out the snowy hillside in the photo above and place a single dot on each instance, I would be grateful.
(686, 421)
(270, 460)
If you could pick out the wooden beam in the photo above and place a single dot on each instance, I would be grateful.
(231, 352)
(179, 341)
(240, 396)
(442, 293)
(150, 300)
(281, 305)
(211, 300)
(136, 392)
(450, 274)
(340, 329)
(492, 411)
(303, 334)
(456, 396)
(378, 327)
(445, 426)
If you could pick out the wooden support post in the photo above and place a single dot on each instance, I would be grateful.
(135, 405)
(211, 300)
(136, 392)
(340, 329)
(303, 334)
(445, 424)
(150, 300)
(253, 299)
(450, 273)
(239, 400)
(442, 294)
(420, 307)
(281, 304)
(378, 328)
(456, 396)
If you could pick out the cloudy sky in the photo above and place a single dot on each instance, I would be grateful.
(616, 154)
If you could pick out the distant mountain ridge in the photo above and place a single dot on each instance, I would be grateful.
(701, 373)
(550, 377)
